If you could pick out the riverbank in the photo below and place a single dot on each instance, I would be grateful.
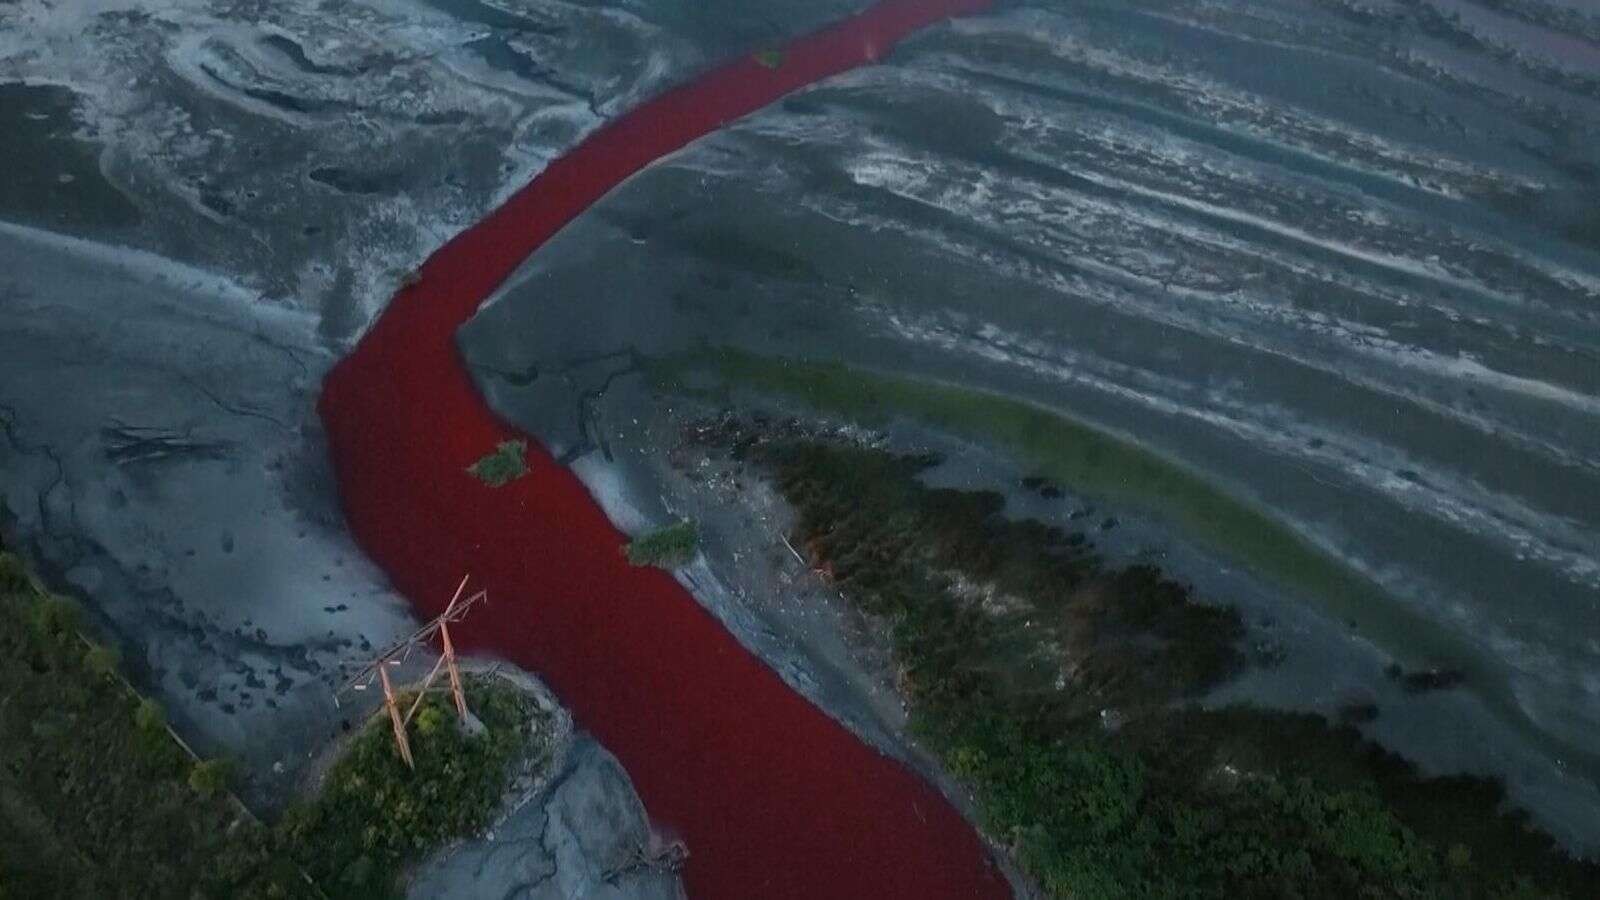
(1116, 471)
(97, 797)
(1061, 689)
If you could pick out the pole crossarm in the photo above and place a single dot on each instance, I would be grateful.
(400, 650)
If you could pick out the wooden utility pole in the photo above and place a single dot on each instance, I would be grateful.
(455, 672)
(400, 739)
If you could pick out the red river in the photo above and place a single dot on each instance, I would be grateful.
(773, 798)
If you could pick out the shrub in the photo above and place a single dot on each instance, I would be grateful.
(430, 719)
(102, 660)
(150, 717)
(210, 777)
(506, 464)
(56, 616)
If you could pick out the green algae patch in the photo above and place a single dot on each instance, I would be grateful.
(506, 464)
(769, 59)
(666, 548)
(1090, 461)
(1118, 471)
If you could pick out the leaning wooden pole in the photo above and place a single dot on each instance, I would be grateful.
(455, 672)
(393, 705)
(397, 653)
(422, 692)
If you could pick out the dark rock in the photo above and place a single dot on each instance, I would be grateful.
(1426, 679)
(1432, 680)
(1358, 713)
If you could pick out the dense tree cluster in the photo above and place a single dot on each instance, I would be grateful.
(96, 799)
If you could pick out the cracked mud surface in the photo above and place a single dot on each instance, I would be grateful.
(158, 459)
(568, 842)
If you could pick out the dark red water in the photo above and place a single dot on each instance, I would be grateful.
(774, 798)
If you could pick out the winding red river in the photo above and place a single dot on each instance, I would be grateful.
(774, 798)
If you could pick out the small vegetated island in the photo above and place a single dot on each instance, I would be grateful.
(98, 799)
(1060, 690)
(373, 816)
(505, 464)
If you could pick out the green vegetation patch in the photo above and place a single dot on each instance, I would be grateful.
(1107, 467)
(1093, 463)
(506, 464)
(374, 816)
(98, 800)
(1060, 690)
(95, 796)
(770, 59)
(666, 548)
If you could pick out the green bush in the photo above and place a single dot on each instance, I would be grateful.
(667, 548)
(56, 616)
(102, 660)
(210, 777)
(150, 717)
(506, 464)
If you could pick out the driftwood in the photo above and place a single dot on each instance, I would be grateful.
(667, 858)
(129, 444)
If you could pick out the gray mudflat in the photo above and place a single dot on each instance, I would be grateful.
(562, 845)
